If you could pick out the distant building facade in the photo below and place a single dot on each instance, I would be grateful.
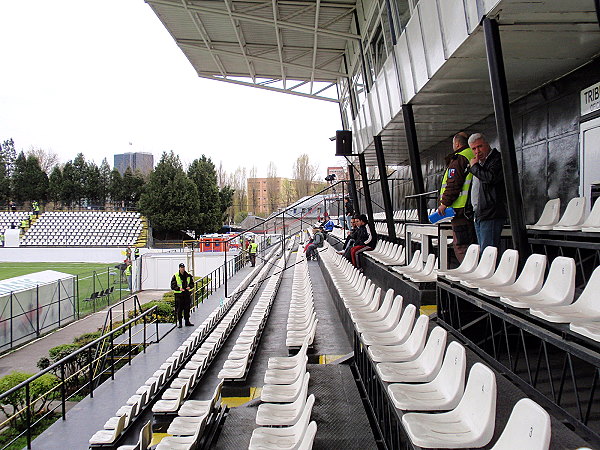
(144, 162)
(341, 173)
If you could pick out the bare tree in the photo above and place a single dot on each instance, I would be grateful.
(288, 191)
(47, 158)
(273, 187)
(304, 175)
(252, 191)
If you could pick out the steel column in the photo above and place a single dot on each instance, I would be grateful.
(493, 46)
(353, 191)
(366, 189)
(385, 189)
(415, 159)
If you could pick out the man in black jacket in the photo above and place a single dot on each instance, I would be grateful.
(488, 192)
(366, 239)
(182, 284)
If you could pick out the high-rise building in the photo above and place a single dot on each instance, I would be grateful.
(144, 162)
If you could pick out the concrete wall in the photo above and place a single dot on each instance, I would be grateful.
(64, 254)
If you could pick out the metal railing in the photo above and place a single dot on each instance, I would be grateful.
(76, 377)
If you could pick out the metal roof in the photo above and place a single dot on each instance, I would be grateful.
(294, 46)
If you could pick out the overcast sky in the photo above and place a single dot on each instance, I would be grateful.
(92, 76)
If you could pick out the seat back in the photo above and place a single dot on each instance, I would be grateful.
(487, 264)
(406, 321)
(394, 313)
(119, 427)
(589, 297)
(415, 259)
(574, 214)
(416, 340)
(478, 404)
(528, 427)
(471, 258)
(386, 305)
(507, 268)
(550, 214)
(451, 377)
(532, 276)
(593, 219)
(309, 437)
(560, 284)
(299, 428)
(145, 436)
(433, 353)
(429, 265)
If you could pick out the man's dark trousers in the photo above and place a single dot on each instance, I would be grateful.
(183, 304)
(489, 232)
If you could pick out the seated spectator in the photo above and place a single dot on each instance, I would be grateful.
(329, 225)
(316, 242)
(350, 238)
(366, 239)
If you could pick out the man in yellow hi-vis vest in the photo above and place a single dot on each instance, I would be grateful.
(182, 284)
(454, 193)
(252, 251)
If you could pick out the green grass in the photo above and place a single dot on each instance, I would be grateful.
(91, 278)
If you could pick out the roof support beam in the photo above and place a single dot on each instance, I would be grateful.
(329, 73)
(268, 88)
(315, 46)
(279, 40)
(258, 19)
(240, 37)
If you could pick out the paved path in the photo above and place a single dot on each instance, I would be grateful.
(24, 359)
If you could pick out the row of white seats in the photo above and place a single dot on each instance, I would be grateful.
(404, 356)
(551, 300)
(381, 228)
(92, 213)
(575, 217)
(226, 316)
(284, 415)
(302, 317)
(387, 253)
(240, 356)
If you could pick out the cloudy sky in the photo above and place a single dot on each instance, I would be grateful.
(94, 76)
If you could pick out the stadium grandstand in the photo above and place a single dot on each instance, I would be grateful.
(406, 347)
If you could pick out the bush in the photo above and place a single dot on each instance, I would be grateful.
(165, 313)
(86, 338)
(38, 395)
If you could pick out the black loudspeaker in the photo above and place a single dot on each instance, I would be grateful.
(343, 143)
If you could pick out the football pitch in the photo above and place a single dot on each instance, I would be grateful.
(91, 278)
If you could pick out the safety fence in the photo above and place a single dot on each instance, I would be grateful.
(30, 405)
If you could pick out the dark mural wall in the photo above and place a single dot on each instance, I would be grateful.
(546, 132)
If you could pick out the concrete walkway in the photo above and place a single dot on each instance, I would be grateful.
(24, 359)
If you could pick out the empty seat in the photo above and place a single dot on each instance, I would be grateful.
(559, 288)
(441, 394)
(574, 216)
(422, 369)
(585, 309)
(550, 216)
(395, 336)
(484, 269)
(528, 427)
(416, 263)
(592, 223)
(470, 424)
(529, 282)
(144, 439)
(468, 265)
(104, 437)
(408, 350)
(505, 273)
(282, 414)
(588, 329)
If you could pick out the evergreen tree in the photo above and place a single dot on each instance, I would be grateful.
(104, 184)
(19, 182)
(225, 200)
(55, 185)
(70, 192)
(132, 186)
(80, 174)
(170, 198)
(115, 187)
(29, 181)
(8, 155)
(202, 172)
(4, 184)
(92, 187)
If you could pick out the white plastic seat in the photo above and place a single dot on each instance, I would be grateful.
(441, 394)
(283, 438)
(287, 362)
(468, 265)
(415, 262)
(428, 272)
(529, 281)
(395, 336)
(408, 350)
(592, 223)
(170, 406)
(588, 329)
(282, 414)
(469, 425)
(559, 288)
(505, 273)
(484, 269)
(573, 217)
(422, 369)
(286, 376)
(283, 393)
(528, 427)
(104, 437)
(143, 441)
(585, 309)
(375, 316)
(550, 216)
(309, 436)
